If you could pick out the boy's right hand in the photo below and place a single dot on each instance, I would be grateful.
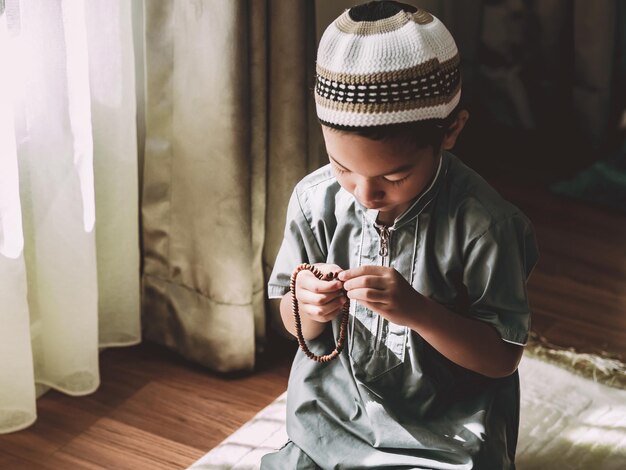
(320, 300)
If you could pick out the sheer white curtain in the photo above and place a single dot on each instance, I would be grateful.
(69, 243)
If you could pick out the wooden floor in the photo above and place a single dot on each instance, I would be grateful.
(578, 289)
(156, 411)
(153, 410)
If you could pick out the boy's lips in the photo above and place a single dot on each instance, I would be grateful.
(374, 206)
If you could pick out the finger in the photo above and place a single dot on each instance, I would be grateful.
(307, 297)
(366, 281)
(361, 271)
(336, 307)
(324, 313)
(366, 295)
(307, 280)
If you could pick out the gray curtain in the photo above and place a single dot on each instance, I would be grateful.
(226, 140)
(545, 82)
(550, 68)
(547, 60)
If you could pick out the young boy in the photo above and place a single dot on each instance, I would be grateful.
(433, 261)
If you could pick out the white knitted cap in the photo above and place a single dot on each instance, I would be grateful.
(386, 63)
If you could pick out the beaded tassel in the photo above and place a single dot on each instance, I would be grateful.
(296, 315)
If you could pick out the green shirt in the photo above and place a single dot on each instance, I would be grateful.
(391, 400)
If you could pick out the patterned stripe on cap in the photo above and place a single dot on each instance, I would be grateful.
(354, 118)
(384, 105)
(430, 82)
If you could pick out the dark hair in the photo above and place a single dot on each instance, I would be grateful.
(429, 133)
(378, 10)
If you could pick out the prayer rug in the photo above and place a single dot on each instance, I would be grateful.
(567, 422)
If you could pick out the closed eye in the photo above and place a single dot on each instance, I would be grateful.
(385, 178)
(339, 170)
(398, 181)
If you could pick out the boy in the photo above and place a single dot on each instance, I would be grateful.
(433, 261)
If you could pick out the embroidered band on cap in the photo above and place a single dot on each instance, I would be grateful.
(385, 63)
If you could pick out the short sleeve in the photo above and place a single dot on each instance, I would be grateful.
(299, 245)
(497, 267)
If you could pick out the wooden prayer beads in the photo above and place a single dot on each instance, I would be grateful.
(296, 315)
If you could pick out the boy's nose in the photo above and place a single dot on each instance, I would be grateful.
(367, 192)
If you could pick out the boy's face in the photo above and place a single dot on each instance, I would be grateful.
(385, 175)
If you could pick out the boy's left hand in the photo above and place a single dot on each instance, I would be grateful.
(382, 290)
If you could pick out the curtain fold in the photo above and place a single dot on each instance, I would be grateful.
(17, 391)
(69, 252)
(197, 279)
(295, 144)
(226, 140)
(113, 116)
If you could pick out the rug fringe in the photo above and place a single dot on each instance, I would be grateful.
(604, 367)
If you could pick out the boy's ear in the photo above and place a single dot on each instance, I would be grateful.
(449, 138)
